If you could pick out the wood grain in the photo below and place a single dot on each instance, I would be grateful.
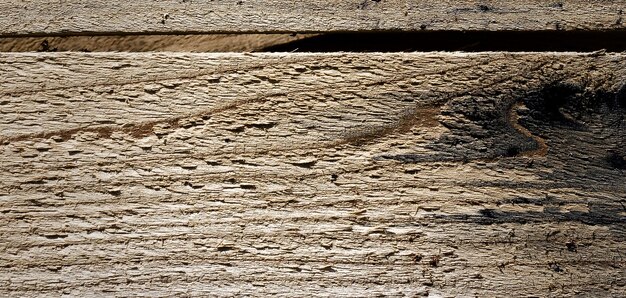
(41, 17)
(441, 174)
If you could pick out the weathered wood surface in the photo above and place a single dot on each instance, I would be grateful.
(312, 174)
(146, 16)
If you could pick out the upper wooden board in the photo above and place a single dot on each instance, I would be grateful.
(42, 17)
(163, 174)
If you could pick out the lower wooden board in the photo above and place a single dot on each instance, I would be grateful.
(441, 174)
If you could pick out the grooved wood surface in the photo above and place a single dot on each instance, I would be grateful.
(41, 17)
(172, 174)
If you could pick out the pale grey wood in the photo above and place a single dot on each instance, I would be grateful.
(406, 174)
(41, 17)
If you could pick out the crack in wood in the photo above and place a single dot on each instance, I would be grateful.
(513, 121)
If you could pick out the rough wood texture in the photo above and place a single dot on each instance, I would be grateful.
(312, 174)
(115, 16)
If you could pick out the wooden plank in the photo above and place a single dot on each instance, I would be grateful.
(42, 17)
(447, 174)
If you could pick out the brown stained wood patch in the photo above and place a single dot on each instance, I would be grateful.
(418, 116)
(409, 174)
(541, 148)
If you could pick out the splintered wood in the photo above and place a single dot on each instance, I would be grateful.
(44, 17)
(312, 174)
